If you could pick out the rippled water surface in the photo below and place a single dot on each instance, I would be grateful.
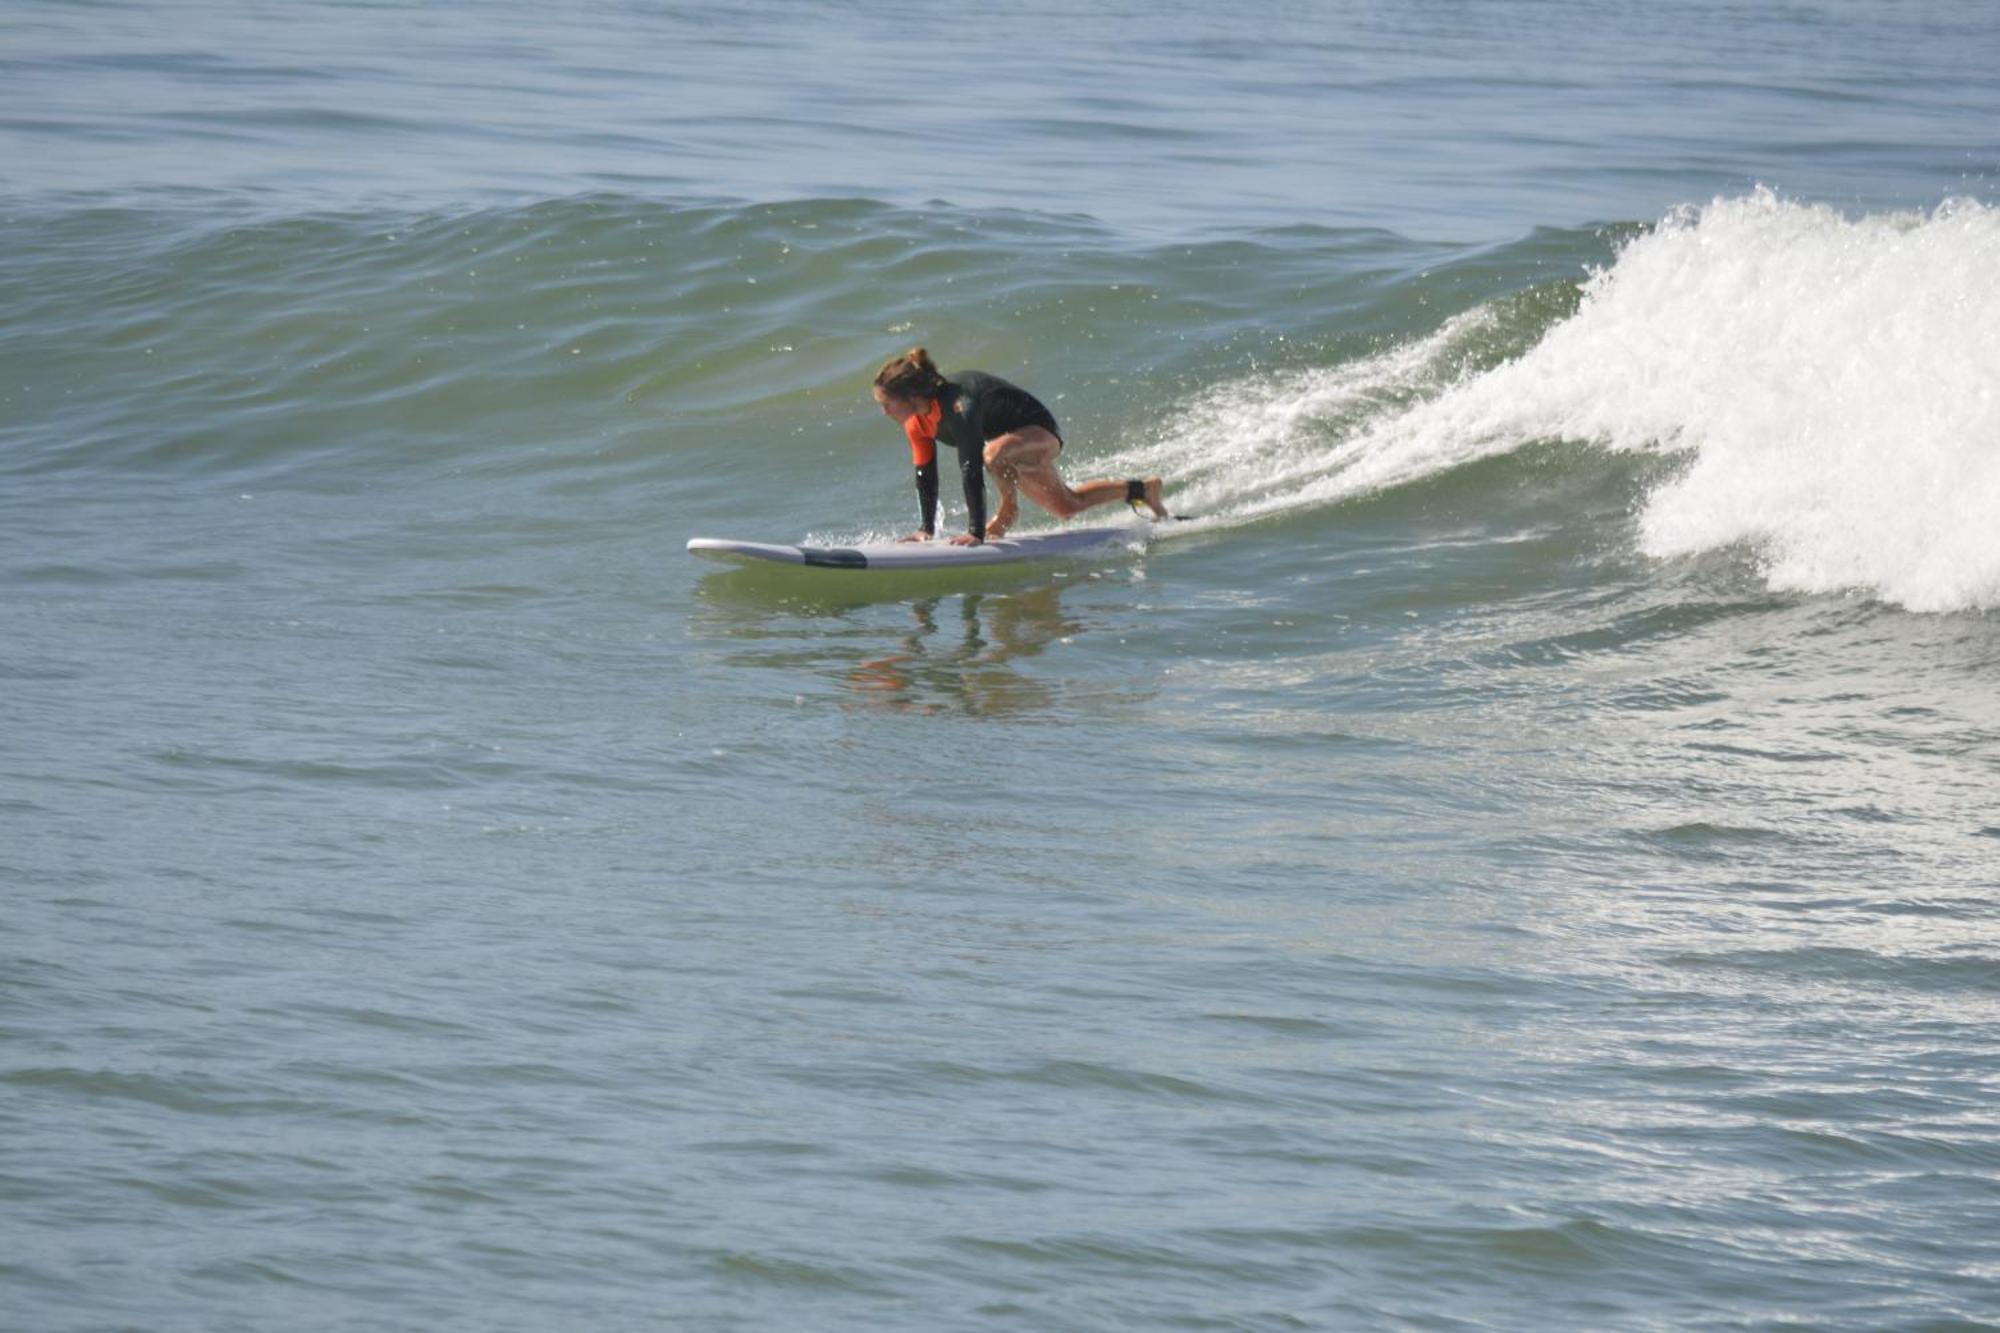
(1523, 856)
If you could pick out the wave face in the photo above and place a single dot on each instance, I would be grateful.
(342, 348)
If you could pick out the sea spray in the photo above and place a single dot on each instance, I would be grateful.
(1246, 449)
(1832, 380)
(1833, 384)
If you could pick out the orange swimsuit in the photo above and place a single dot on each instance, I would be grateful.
(922, 429)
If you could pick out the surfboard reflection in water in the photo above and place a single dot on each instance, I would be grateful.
(963, 662)
(963, 653)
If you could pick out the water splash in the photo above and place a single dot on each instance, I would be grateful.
(1249, 449)
(1834, 384)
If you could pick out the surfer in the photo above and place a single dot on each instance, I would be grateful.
(992, 424)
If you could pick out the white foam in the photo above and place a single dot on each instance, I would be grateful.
(1834, 382)
(1275, 442)
(1837, 383)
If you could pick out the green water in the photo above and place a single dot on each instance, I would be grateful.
(1523, 857)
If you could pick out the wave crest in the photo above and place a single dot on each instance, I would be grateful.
(1831, 381)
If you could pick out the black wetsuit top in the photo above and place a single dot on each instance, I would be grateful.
(973, 408)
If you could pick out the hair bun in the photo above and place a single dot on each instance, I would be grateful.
(911, 375)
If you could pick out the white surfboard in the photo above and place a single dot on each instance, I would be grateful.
(937, 554)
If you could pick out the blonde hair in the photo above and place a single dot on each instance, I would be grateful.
(911, 375)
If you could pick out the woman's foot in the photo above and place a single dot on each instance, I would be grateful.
(1003, 518)
(1149, 495)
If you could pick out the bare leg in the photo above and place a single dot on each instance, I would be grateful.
(1006, 481)
(1025, 460)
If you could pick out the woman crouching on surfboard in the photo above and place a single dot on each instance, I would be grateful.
(992, 424)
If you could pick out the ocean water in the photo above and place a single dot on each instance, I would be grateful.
(1525, 855)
